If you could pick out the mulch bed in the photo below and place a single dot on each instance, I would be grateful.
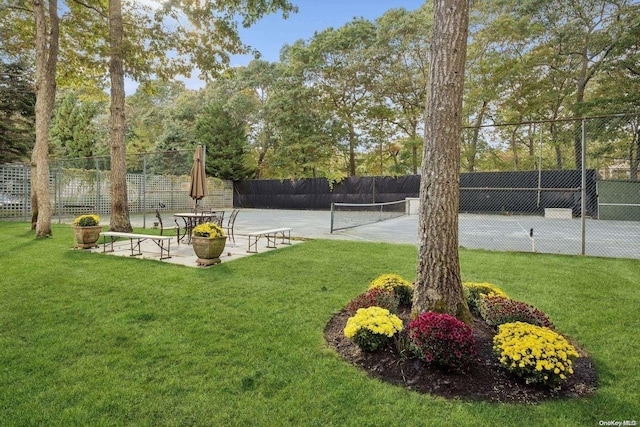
(486, 380)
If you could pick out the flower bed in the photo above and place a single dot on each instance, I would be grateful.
(537, 354)
(496, 310)
(442, 340)
(378, 297)
(402, 288)
(473, 293)
(372, 328)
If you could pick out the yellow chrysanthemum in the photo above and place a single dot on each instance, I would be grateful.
(543, 355)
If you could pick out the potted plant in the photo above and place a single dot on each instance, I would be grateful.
(86, 231)
(208, 241)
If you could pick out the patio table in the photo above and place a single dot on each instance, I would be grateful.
(191, 219)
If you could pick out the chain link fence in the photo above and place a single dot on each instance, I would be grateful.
(157, 180)
(573, 186)
(563, 186)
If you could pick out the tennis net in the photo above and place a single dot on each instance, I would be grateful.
(349, 215)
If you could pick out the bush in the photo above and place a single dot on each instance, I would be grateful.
(473, 294)
(442, 340)
(497, 310)
(535, 353)
(378, 297)
(402, 288)
(372, 328)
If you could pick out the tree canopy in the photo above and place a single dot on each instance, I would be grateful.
(350, 100)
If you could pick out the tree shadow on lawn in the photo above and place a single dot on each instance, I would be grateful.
(486, 380)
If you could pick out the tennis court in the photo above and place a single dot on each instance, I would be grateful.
(620, 239)
(493, 232)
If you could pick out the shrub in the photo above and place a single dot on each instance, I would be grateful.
(535, 353)
(208, 229)
(87, 220)
(372, 328)
(378, 297)
(402, 288)
(473, 294)
(497, 310)
(442, 340)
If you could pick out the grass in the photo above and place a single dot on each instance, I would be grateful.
(87, 339)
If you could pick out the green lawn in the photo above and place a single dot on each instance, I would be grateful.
(88, 339)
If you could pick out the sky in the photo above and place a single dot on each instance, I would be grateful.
(272, 32)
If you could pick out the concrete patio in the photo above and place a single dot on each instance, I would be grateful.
(183, 253)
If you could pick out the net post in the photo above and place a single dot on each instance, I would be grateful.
(332, 206)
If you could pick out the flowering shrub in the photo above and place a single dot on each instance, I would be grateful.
(87, 220)
(535, 353)
(442, 340)
(384, 298)
(402, 288)
(473, 294)
(372, 328)
(497, 310)
(208, 229)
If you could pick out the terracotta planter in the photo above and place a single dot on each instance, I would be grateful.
(208, 250)
(86, 237)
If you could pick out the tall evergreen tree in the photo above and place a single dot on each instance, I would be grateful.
(225, 140)
(17, 112)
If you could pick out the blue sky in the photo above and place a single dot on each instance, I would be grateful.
(272, 32)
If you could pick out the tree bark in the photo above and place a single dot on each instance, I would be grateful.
(46, 62)
(438, 285)
(119, 204)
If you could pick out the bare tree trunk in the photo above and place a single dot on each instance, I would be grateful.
(46, 62)
(438, 285)
(514, 147)
(473, 151)
(352, 150)
(119, 204)
(635, 162)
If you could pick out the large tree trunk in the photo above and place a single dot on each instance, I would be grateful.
(438, 285)
(119, 204)
(46, 61)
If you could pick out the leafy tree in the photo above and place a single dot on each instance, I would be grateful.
(583, 37)
(438, 284)
(338, 62)
(225, 140)
(148, 110)
(17, 111)
(72, 132)
(303, 130)
(402, 54)
(255, 86)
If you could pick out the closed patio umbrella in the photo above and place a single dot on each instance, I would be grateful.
(198, 188)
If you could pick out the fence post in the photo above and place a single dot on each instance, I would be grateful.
(98, 202)
(144, 190)
(583, 184)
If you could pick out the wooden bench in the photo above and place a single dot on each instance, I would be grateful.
(271, 235)
(136, 240)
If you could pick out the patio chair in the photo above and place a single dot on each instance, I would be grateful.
(217, 217)
(230, 224)
(169, 227)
